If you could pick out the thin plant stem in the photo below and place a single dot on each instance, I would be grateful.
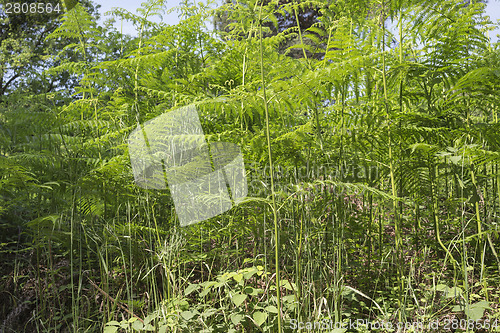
(273, 197)
(397, 231)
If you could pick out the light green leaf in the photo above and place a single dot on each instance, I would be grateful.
(238, 299)
(148, 327)
(476, 310)
(187, 315)
(287, 285)
(259, 317)
(191, 288)
(441, 287)
(209, 312)
(124, 324)
(250, 273)
(110, 329)
(238, 277)
(455, 159)
(149, 318)
(454, 292)
(137, 325)
(236, 318)
(272, 309)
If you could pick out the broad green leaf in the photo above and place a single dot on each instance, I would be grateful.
(148, 327)
(208, 286)
(287, 285)
(238, 277)
(149, 318)
(209, 312)
(441, 287)
(289, 298)
(236, 318)
(110, 329)
(253, 291)
(137, 325)
(454, 292)
(259, 317)
(476, 310)
(271, 308)
(191, 288)
(204, 292)
(238, 299)
(455, 159)
(187, 315)
(250, 273)
(248, 290)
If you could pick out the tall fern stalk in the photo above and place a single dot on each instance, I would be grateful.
(397, 227)
(273, 196)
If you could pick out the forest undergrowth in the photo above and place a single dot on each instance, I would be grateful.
(372, 163)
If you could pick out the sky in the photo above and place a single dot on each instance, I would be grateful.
(492, 10)
(131, 6)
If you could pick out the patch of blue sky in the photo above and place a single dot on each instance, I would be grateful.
(172, 16)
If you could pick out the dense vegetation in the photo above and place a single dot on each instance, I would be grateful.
(372, 163)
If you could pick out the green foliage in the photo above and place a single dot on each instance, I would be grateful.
(385, 177)
(205, 306)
